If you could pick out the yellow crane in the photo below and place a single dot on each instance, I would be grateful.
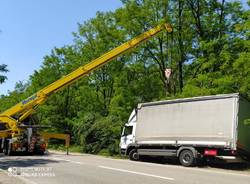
(13, 131)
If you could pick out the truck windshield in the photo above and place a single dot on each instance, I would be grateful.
(127, 130)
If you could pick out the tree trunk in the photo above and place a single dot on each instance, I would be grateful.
(180, 43)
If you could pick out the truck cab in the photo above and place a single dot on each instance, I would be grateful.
(128, 133)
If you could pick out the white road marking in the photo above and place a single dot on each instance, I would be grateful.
(134, 172)
(78, 163)
(207, 170)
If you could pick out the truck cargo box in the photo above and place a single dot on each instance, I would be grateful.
(216, 121)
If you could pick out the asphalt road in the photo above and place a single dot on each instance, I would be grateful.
(88, 169)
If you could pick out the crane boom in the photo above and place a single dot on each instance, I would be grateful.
(25, 108)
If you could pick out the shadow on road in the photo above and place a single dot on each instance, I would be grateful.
(24, 161)
(228, 166)
(231, 166)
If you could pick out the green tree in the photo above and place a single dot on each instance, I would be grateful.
(208, 53)
(220, 63)
(3, 69)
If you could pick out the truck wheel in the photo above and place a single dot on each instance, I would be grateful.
(40, 152)
(187, 158)
(7, 148)
(8, 151)
(133, 155)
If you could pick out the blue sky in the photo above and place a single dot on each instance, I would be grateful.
(30, 29)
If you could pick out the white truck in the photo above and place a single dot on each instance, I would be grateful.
(191, 129)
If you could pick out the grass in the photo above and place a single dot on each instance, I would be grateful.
(106, 153)
(72, 148)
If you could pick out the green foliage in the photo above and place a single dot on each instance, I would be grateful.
(3, 69)
(208, 53)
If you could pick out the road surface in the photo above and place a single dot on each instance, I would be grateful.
(57, 168)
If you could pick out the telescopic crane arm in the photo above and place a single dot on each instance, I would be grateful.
(16, 114)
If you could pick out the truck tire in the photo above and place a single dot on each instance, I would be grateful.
(7, 150)
(39, 152)
(187, 158)
(133, 155)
